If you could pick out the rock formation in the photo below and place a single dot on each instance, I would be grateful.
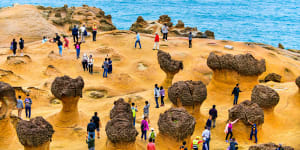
(264, 96)
(268, 146)
(69, 91)
(280, 46)
(298, 82)
(16, 60)
(35, 134)
(273, 77)
(120, 130)
(245, 111)
(188, 94)
(169, 66)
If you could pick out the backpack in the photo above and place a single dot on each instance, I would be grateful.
(152, 135)
(91, 127)
(142, 126)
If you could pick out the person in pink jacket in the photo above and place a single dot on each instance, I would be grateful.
(144, 128)
(228, 129)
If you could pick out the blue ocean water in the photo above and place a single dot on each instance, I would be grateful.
(266, 21)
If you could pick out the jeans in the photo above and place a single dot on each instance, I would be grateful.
(28, 112)
(137, 41)
(156, 45)
(235, 99)
(229, 132)
(156, 101)
(255, 135)
(207, 143)
(205, 146)
(60, 50)
(134, 121)
(162, 100)
(91, 68)
(75, 37)
(144, 133)
(94, 35)
(105, 72)
(214, 122)
(91, 133)
(85, 66)
(190, 43)
(92, 148)
(165, 36)
(77, 52)
(14, 51)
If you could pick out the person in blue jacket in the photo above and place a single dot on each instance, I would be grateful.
(75, 33)
(253, 131)
(236, 91)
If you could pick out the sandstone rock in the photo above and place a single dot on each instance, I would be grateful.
(35, 132)
(67, 87)
(177, 123)
(8, 100)
(140, 26)
(179, 24)
(298, 82)
(96, 95)
(167, 64)
(16, 60)
(245, 111)
(268, 146)
(164, 19)
(188, 92)
(243, 64)
(264, 96)
(280, 46)
(273, 77)
(209, 34)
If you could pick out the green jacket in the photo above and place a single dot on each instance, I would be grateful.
(91, 143)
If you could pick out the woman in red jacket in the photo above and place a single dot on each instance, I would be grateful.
(156, 42)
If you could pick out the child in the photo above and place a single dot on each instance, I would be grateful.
(66, 45)
(152, 135)
(77, 47)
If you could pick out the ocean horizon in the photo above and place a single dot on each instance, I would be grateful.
(269, 21)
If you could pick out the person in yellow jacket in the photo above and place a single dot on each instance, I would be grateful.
(134, 110)
(196, 143)
(94, 31)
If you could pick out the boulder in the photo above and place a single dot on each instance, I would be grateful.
(268, 146)
(176, 123)
(8, 100)
(280, 46)
(67, 87)
(167, 64)
(209, 34)
(273, 77)
(264, 96)
(244, 64)
(245, 111)
(298, 82)
(188, 92)
(140, 20)
(179, 24)
(164, 19)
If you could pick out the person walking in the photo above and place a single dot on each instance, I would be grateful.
(146, 110)
(134, 110)
(105, 68)
(253, 131)
(156, 95)
(28, 103)
(14, 47)
(91, 127)
(236, 91)
(138, 40)
(94, 31)
(190, 40)
(59, 44)
(228, 129)
(21, 44)
(196, 143)
(97, 122)
(91, 64)
(156, 42)
(206, 135)
(91, 142)
(20, 107)
(214, 114)
(77, 47)
(109, 70)
(144, 128)
(152, 135)
(66, 42)
(57, 37)
(151, 145)
(162, 95)
(233, 145)
(165, 31)
(85, 62)
(75, 34)
(209, 122)
(83, 33)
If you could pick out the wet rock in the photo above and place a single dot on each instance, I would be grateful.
(273, 77)
(280, 46)
(7, 99)
(67, 87)
(245, 64)
(298, 82)
(176, 123)
(268, 146)
(167, 64)
(245, 111)
(35, 132)
(264, 96)
(188, 92)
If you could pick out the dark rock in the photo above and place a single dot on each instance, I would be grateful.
(273, 77)
(298, 82)
(7, 99)
(167, 64)
(67, 87)
(164, 19)
(264, 96)
(209, 34)
(280, 46)
(268, 146)
(179, 24)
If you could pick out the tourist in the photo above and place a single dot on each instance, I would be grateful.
(83, 33)
(279, 147)
(146, 110)
(134, 110)
(77, 47)
(156, 42)
(14, 45)
(206, 135)
(182, 147)
(75, 34)
(228, 129)
(236, 91)
(97, 122)
(138, 40)
(152, 135)
(190, 40)
(94, 31)
(59, 44)
(196, 143)
(85, 62)
(162, 95)
(151, 145)
(233, 145)
(66, 45)
(57, 38)
(105, 68)
(91, 142)
(208, 122)
(91, 127)
(214, 114)
(21, 44)
(156, 95)
(28, 103)
(144, 128)
(165, 32)
(90, 64)
(20, 107)
(44, 40)
(109, 66)
(253, 131)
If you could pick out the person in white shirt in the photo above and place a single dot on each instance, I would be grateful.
(156, 95)
(165, 32)
(90, 64)
(82, 30)
(206, 136)
(85, 59)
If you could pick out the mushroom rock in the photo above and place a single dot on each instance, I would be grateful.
(268, 146)
(273, 77)
(189, 94)
(169, 66)
(298, 82)
(35, 134)
(120, 131)
(177, 125)
(229, 70)
(69, 91)
(8, 102)
(264, 96)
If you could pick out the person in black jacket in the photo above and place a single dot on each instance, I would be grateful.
(236, 91)
(214, 114)
(21, 44)
(57, 38)
(75, 33)
(14, 45)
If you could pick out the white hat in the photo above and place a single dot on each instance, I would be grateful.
(152, 129)
(156, 33)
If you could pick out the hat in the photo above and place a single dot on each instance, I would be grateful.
(156, 33)
(198, 137)
(152, 129)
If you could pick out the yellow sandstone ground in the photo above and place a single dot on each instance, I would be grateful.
(135, 71)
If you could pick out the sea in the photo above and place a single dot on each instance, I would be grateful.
(263, 21)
